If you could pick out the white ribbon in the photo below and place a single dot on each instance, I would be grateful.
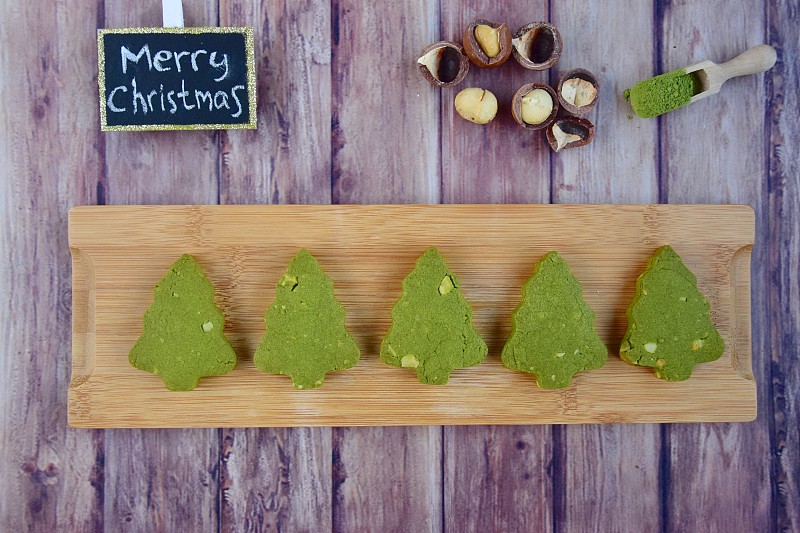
(173, 13)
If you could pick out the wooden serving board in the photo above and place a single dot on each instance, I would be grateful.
(119, 253)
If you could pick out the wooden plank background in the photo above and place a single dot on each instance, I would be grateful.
(344, 119)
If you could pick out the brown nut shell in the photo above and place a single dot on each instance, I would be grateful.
(476, 53)
(516, 105)
(582, 74)
(537, 46)
(449, 61)
(578, 126)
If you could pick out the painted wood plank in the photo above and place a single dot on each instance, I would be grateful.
(280, 478)
(498, 478)
(782, 254)
(496, 163)
(385, 136)
(161, 167)
(500, 162)
(288, 158)
(609, 474)
(385, 131)
(275, 479)
(52, 476)
(161, 480)
(388, 478)
(706, 157)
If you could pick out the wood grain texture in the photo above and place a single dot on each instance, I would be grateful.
(388, 478)
(608, 469)
(703, 458)
(782, 254)
(384, 129)
(162, 480)
(52, 156)
(276, 479)
(385, 149)
(498, 478)
(497, 163)
(288, 158)
(169, 478)
(51, 476)
(609, 473)
(493, 248)
(279, 479)
(500, 162)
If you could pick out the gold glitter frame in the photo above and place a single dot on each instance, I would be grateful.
(249, 44)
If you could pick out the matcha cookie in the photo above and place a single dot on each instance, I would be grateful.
(432, 329)
(182, 339)
(552, 332)
(306, 336)
(669, 328)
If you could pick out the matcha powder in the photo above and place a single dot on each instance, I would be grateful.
(656, 96)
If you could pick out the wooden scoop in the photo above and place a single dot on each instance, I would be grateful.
(711, 76)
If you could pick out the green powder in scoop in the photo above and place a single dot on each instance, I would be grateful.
(656, 96)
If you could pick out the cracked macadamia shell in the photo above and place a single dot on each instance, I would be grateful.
(477, 54)
(517, 104)
(578, 126)
(443, 64)
(537, 46)
(566, 93)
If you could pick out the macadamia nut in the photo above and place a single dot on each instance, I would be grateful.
(476, 105)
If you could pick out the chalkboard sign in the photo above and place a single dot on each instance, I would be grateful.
(176, 79)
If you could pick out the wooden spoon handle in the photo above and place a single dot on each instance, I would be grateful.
(758, 59)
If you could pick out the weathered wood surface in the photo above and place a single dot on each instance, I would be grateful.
(387, 476)
(781, 329)
(732, 478)
(51, 477)
(734, 172)
(611, 473)
(279, 479)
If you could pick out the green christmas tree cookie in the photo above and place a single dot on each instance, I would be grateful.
(552, 333)
(432, 324)
(669, 328)
(306, 336)
(182, 339)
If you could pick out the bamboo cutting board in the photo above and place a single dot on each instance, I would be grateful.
(120, 253)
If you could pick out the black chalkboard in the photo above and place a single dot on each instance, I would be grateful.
(176, 78)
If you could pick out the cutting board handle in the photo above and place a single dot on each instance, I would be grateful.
(83, 317)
